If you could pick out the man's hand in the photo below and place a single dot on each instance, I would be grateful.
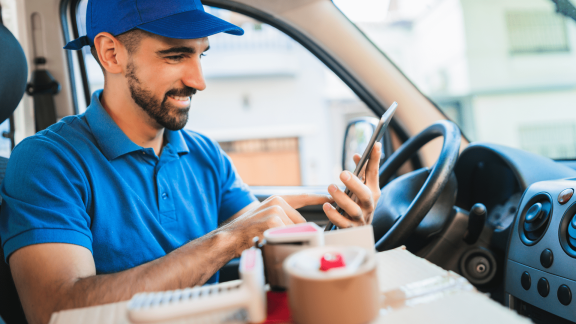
(273, 212)
(359, 209)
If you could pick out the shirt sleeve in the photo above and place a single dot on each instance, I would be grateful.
(235, 194)
(45, 197)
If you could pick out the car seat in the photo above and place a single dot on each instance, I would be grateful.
(13, 75)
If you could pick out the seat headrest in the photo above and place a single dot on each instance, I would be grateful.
(13, 73)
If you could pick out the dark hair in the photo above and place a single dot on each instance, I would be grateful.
(130, 39)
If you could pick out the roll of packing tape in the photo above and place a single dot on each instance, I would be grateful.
(323, 289)
(284, 241)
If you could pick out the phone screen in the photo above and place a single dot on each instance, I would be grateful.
(376, 136)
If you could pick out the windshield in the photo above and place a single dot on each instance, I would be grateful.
(503, 70)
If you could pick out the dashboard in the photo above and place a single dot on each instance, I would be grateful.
(532, 212)
(541, 260)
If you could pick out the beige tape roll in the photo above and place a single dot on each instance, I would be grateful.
(274, 257)
(339, 296)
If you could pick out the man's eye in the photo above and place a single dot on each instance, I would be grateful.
(203, 54)
(175, 57)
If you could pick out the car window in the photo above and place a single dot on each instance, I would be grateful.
(503, 70)
(274, 108)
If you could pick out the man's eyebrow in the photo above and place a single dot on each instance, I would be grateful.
(179, 49)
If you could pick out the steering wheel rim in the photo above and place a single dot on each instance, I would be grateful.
(433, 186)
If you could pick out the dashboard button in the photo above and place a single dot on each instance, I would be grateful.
(565, 196)
(534, 213)
(546, 258)
(543, 287)
(525, 280)
(564, 295)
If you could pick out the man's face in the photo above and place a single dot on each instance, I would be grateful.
(162, 76)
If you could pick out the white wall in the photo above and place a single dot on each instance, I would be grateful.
(491, 65)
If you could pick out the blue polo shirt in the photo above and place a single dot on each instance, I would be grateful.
(83, 181)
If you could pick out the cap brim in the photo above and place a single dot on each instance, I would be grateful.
(189, 25)
(78, 43)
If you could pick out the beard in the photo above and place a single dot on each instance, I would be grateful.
(166, 115)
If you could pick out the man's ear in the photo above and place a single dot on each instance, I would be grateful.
(111, 53)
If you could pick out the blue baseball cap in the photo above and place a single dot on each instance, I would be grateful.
(184, 19)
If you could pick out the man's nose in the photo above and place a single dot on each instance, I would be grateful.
(193, 76)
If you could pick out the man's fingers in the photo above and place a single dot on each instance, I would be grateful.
(279, 212)
(292, 213)
(299, 201)
(345, 202)
(357, 187)
(335, 217)
(275, 221)
(356, 158)
(371, 176)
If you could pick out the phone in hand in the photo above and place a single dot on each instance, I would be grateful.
(376, 136)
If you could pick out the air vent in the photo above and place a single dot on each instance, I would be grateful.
(568, 231)
(572, 233)
(535, 218)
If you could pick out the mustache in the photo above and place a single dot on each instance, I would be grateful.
(184, 92)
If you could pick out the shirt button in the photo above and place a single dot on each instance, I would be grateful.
(143, 152)
(164, 195)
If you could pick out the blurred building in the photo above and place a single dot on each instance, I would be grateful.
(504, 70)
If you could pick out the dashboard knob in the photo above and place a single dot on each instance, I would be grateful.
(534, 213)
(536, 219)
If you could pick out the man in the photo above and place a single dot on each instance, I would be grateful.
(120, 200)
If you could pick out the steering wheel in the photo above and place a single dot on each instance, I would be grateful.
(432, 186)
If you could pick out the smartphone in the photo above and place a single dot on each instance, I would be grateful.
(376, 136)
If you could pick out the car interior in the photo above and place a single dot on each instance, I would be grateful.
(503, 217)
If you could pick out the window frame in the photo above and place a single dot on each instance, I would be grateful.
(69, 8)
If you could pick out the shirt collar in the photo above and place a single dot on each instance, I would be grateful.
(112, 140)
(176, 139)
